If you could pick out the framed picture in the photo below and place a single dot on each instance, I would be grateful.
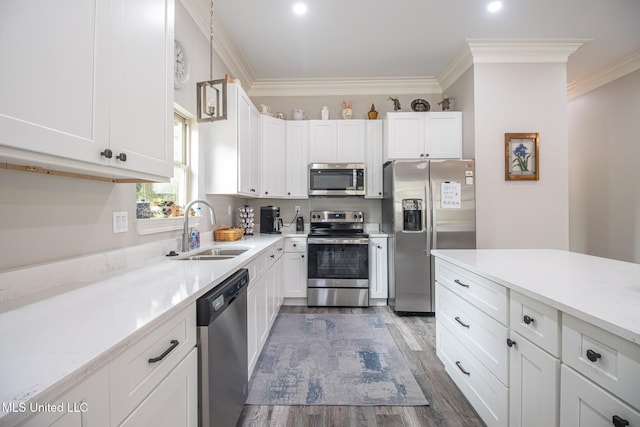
(521, 156)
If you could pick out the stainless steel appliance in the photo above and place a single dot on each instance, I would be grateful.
(222, 351)
(270, 221)
(338, 260)
(427, 204)
(336, 179)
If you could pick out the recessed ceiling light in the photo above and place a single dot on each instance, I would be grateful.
(299, 8)
(494, 6)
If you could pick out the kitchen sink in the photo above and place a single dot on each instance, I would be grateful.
(213, 254)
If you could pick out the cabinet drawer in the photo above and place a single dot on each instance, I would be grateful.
(536, 321)
(584, 404)
(278, 250)
(295, 244)
(487, 395)
(606, 359)
(132, 376)
(481, 334)
(480, 292)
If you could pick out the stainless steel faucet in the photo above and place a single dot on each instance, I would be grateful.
(185, 231)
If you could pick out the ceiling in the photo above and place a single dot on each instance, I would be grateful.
(372, 39)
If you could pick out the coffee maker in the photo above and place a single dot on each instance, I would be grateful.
(270, 221)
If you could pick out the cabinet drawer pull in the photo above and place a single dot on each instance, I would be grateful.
(461, 284)
(619, 422)
(107, 153)
(528, 320)
(510, 342)
(593, 356)
(174, 344)
(122, 157)
(461, 322)
(459, 365)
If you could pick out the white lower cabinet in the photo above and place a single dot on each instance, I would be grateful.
(264, 298)
(485, 392)
(378, 282)
(562, 371)
(174, 402)
(584, 404)
(86, 405)
(534, 387)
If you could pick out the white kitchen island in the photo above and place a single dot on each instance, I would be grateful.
(541, 337)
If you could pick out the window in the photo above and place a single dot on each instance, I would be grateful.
(167, 199)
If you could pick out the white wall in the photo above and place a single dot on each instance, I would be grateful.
(604, 147)
(521, 98)
(463, 92)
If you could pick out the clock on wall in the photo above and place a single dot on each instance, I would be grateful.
(180, 65)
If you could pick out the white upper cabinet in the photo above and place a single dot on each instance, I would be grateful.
(415, 135)
(336, 141)
(233, 158)
(297, 153)
(98, 80)
(374, 159)
(274, 168)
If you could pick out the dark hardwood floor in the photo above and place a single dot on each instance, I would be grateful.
(415, 336)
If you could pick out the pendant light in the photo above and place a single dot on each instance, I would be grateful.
(211, 94)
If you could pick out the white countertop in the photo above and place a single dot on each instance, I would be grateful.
(601, 291)
(53, 344)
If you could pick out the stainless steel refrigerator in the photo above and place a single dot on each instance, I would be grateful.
(427, 204)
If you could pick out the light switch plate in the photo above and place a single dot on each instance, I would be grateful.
(120, 222)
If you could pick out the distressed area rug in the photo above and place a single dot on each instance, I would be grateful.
(332, 359)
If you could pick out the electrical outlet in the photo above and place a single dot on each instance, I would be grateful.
(120, 222)
(297, 209)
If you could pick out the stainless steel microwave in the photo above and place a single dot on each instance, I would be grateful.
(336, 179)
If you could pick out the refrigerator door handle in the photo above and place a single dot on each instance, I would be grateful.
(432, 219)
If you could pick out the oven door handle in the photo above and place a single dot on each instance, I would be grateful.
(338, 241)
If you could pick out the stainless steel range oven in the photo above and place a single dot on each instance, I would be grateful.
(338, 260)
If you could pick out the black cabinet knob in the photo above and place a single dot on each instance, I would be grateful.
(122, 157)
(593, 356)
(107, 153)
(528, 320)
(510, 342)
(619, 421)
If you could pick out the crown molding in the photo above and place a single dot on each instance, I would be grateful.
(611, 72)
(351, 86)
(223, 43)
(455, 68)
(494, 51)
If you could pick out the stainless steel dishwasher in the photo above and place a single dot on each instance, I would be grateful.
(222, 351)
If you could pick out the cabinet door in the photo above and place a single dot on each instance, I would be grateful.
(297, 158)
(87, 405)
(323, 141)
(406, 135)
(243, 118)
(373, 149)
(252, 329)
(174, 403)
(66, 114)
(274, 179)
(141, 90)
(584, 404)
(443, 134)
(295, 275)
(351, 145)
(534, 389)
(378, 268)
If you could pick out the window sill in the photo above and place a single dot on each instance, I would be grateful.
(161, 225)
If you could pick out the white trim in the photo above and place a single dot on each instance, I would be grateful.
(611, 72)
(161, 225)
(455, 68)
(348, 86)
(493, 51)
